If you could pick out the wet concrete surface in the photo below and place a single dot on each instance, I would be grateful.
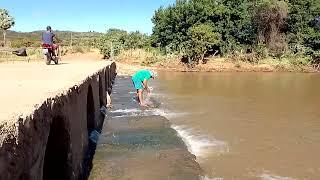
(135, 144)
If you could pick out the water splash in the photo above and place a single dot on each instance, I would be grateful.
(148, 112)
(209, 178)
(197, 144)
(200, 145)
(126, 111)
(267, 176)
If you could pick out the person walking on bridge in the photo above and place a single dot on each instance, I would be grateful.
(140, 81)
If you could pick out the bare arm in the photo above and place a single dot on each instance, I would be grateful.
(145, 85)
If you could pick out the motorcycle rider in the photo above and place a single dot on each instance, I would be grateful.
(47, 38)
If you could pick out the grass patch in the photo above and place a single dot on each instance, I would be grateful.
(33, 54)
(143, 57)
(74, 49)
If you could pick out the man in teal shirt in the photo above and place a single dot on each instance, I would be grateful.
(140, 80)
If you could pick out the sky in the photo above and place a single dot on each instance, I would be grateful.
(83, 15)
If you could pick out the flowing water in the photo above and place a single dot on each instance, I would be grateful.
(139, 143)
(246, 125)
(260, 126)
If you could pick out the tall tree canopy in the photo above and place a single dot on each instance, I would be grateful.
(281, 25)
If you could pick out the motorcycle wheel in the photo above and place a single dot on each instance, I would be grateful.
(48, 58)
(56, 60)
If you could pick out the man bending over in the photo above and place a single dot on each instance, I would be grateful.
(140, 80)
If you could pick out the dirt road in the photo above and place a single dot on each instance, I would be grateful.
(24, 86)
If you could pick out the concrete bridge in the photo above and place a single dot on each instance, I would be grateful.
(46, 116)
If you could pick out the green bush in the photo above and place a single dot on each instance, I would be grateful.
(244, 57)
(19, 43)
(115, 40)
(111, 43)
(77, 49)
(261, 51)
(150, 60)
(201, 39)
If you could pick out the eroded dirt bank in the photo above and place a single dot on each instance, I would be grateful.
(47, 114)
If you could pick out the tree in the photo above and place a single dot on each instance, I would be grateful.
(111, 43)
(136, 40)
(230, 18)
(242, 25)
(116, 40)
(202, 38)
(301, 30)
(6, 22)
(270, 17)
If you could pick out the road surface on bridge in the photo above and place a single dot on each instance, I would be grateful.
(24, 86)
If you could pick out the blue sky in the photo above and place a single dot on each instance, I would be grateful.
(83, 15)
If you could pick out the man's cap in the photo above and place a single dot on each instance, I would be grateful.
(154, 74)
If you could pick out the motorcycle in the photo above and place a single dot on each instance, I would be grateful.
(51, 53)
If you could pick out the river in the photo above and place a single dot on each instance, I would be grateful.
(246, 125)
(259, 126)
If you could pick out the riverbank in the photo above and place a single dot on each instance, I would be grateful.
(223, 65)
(130, 61)
(143, 59)
(130, 68)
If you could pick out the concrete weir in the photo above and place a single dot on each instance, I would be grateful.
(48, 137)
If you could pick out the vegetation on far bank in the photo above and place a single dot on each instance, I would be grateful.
(66, 38)
(285, 33)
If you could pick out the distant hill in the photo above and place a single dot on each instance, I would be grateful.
(25, 39)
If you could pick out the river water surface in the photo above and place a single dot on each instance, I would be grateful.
(246, 125)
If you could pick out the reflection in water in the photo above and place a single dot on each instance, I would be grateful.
(266, 124)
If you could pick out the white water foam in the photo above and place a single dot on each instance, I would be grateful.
(126, 111)
(197, 144)
(200, 145)
(267, 176)
(148, 112)
(165, 113)
(208, 178)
